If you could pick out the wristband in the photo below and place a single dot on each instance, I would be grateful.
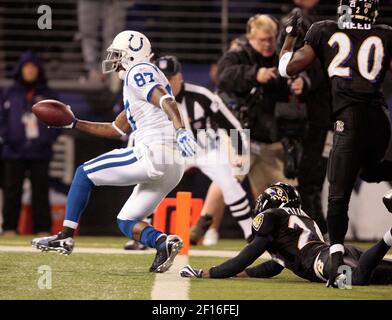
(118, 129)
(166, 96)
(283, 62)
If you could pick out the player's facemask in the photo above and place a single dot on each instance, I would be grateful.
(112, 61)
(119, 60)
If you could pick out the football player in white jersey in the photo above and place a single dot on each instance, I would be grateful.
(153, 164)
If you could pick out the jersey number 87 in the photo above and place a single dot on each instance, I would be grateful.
(140, 79)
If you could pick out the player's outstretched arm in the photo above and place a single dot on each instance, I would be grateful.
(267, 269)
(185, 141)
(234, 266)
(160, 98)
(119, 127)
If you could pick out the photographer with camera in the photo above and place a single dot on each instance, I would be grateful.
(265, 103)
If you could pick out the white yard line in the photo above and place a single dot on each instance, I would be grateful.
(169, 285)
(192, 252)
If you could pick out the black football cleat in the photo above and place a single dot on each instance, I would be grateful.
(166, 252)
(59, 243)
(387, 199)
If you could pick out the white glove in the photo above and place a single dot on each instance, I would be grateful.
(186, 142)
(190, 272)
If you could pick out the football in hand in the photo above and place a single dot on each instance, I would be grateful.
(53, 113)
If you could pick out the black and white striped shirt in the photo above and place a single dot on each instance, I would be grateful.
(202, 109)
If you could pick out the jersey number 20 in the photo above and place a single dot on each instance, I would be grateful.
(369, 59)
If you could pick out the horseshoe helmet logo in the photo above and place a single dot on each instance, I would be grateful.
(133, 48)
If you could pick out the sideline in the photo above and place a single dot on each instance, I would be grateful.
(169, 285)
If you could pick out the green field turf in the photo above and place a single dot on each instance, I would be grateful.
(116, 276)
(78, 276)
(285, 286)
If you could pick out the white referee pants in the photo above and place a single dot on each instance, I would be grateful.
(217, 167)
(220, 171)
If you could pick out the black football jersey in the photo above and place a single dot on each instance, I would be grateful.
(295, 239)
(356, 60)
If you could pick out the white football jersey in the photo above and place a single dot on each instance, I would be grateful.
(150, 124)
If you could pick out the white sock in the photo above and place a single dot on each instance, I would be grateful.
(70, 224)
(246, 226)
(388, 238)
(336, 248)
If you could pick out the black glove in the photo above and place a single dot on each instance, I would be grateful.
(293, 23)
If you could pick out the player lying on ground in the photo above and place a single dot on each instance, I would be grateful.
(153, 163)
(295, 242)
(356, 53)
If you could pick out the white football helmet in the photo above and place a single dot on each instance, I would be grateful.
(128, 48)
